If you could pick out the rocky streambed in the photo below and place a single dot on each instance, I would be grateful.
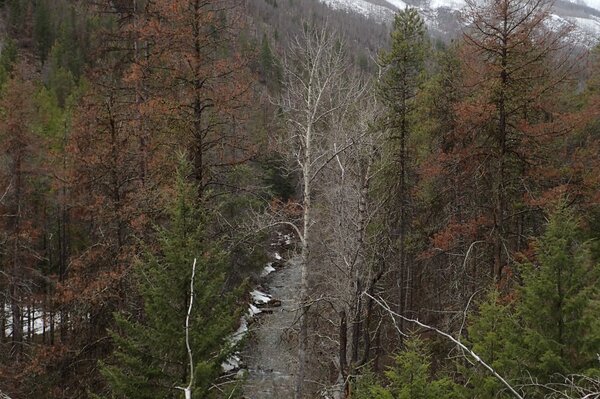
(269, 354)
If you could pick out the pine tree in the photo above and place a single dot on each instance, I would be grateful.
(551, 329)
(403, 70)
(195, 82)
(17, 16)
(494, 337)
(150, 358)
(410, 378)
(270, 68)
(19, 225)
(509, 119)
(42, 30)
(8, 57)
(559, 301)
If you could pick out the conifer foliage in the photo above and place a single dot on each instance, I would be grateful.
(151, 358)
(403, 71)
(411, 377)
(417, 188)
(549, 330)
(559, 299)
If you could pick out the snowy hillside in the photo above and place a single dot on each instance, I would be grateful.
(363, 7)
(442, 16)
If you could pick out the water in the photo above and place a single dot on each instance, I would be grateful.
(270, 354)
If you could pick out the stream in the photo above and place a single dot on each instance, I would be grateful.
(270, 352)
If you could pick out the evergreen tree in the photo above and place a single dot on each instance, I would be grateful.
(559, 294)
(403, 70)
(42, 30)
(494, 337)
(150, 358)
(68, 50)
(271, 71)
(17, 12)
(410, 378)
(552, 328)
(8, 57)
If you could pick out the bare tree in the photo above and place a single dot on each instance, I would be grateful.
(574, 387)
(347, 210)
(317, 91)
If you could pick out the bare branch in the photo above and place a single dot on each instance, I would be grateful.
(188, 390)
(476, 357)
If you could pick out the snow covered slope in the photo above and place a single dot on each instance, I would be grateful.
(590, 3)
(363, 7)
(442, 16)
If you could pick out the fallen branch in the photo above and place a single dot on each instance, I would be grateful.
(382, 303)
(188, 390)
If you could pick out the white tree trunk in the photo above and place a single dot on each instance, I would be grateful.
(188, 390)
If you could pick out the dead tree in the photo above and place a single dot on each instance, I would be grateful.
(348, 209)
(317, 89)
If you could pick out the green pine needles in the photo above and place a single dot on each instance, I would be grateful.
(150, 358)
(410, 378)
(544, 338)
(550, 330)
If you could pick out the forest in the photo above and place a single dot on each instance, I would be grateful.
(268, 199)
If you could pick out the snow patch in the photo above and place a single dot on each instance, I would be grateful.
(399, 4)
(234, 361)
(587, 29)
(590, 3)
(267, 270)
(260, 298)
(231, 364)
(253, 311)
(590, 25)
(38, 321)
(362, 7)
(451, 4)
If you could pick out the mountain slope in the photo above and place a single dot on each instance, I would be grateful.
(443, 16)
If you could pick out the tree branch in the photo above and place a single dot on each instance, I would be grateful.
(382, 303)
(188, 390)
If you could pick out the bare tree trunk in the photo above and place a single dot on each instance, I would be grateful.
(3, 318)
(343, 344)
(356, 323)
(304, 306)
(188, 390)
(30, 321)
(63, 242)
(317, 89)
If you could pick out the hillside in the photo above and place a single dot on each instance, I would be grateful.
(277, 199)
(443, 17)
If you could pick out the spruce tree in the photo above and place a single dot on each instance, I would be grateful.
(270, 67)
(494, 337)
(8, 57)
(558, 305)
(410, 378)
(150, 358)
(43, 32)
(551, 330)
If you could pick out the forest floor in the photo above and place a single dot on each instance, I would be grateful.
(270, 351)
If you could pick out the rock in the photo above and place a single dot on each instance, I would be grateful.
(275, 303)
